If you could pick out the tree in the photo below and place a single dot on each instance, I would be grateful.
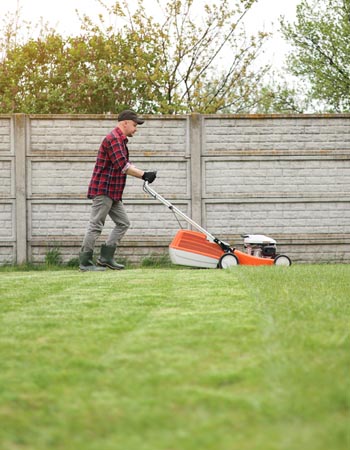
(190, 42)
(54, 74)
(321, 56)
(279, 97)
(173, 65)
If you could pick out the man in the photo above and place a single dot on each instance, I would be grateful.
(106, 189)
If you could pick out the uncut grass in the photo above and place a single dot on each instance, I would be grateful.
(175, 359)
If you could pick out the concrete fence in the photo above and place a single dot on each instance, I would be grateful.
(286, 176)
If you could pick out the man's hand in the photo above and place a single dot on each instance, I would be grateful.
(149, 176)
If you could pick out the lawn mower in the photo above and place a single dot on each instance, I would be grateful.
(202, 249)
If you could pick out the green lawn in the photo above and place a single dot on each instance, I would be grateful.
(254, 358)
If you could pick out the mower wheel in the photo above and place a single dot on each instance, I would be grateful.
(282, 260)
(228, 260)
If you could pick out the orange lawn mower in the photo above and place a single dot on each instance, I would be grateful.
(202, 249)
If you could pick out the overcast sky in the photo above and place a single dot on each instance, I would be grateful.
(61, 14)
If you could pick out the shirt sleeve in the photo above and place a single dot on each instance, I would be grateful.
(118, 154)
(126, 167)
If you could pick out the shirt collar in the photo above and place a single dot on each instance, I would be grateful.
(119, 132)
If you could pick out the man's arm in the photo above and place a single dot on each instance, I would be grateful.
(134, 171)
(146, 176)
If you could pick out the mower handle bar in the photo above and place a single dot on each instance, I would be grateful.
(175, 210)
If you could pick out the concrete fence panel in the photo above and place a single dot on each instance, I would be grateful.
(287, 176)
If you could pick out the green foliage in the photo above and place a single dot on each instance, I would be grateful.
(167, 66)
(321, 55)
(156, 260)
(73, 262)
(80, 74)
(279, 97)
(53, 257)
(255, 358)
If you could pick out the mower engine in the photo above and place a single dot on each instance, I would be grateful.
(259, 245)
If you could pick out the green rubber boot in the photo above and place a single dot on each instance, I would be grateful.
(106, 258)
(86, 263)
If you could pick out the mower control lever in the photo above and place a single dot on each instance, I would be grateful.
(224, 245)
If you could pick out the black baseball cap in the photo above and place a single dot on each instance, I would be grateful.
(128, 114)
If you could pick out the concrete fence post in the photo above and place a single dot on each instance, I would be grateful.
(196, 170)
(19, 125)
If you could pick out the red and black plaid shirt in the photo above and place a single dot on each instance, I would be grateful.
(109, 177)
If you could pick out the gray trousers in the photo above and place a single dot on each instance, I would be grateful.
(101, 207)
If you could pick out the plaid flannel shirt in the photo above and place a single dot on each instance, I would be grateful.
(109, 177)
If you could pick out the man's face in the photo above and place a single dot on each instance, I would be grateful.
(130, 128)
